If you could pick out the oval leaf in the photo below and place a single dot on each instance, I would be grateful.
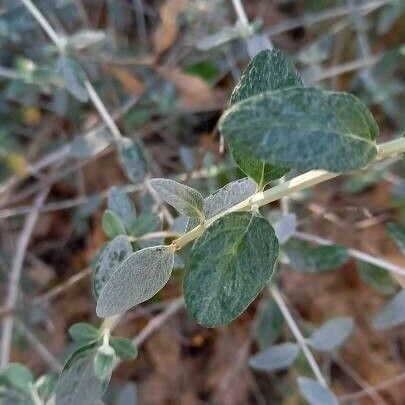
(303, 128)
(136, 280)
(276, 357)
(113, 254)
(78, 384)
(132, 157)
(268, 70)
(393, 313)
(397, 233)
(120, 203)
(331, 334)
(228, 267)
(112, 224)
(257, 169)
(315, 393)
(307, 259)
(73, 76)
(224, 198)
(184, 199)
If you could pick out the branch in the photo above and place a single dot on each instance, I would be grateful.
(287, 188)
(298, 335)
(11, 300)
(357, 254)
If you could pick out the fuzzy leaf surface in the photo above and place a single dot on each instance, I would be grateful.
(137, 279)
(277, 357)
(303, 128)
(228, 267)
(184, 199)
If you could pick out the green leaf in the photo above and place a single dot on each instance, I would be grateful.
(90, 144)
(260, 171)
(277, 357)
(78, 383)
(120, 203)
(228, 267)
(224, 198)
(303, 128)
(84, 332)
(112, 224)
(268, 70)
(115, 252)
(144, 224)
(269, 324)
(123, 348)
(377, 278)
(132, 157)
(307, 259)
(73, 76)
(84, 39)
(392, 314)
(331, 334)
(184, 199)
(397, 232)
(285, 227)
(104, 362)
(315, 393)
(16, 376)
(137, 279)
(45, 386)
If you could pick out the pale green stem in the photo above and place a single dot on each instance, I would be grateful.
(287, 188)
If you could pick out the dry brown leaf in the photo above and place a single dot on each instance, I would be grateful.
(129, 80)
(195, 93)
(167, 31)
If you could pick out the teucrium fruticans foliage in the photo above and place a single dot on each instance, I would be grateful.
(274, 124)
(229, 265)
(136, 279)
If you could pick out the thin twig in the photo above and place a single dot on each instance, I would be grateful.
(39, 347)
(158, 321)
(297, 334)
(11, 300)
(356, 254)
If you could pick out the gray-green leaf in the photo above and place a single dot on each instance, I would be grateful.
(136, 280)
(268, 70)
(123, 348)
(133, 160)
(184, 199)
(397, 233)
(277, 357)
(377, 278)
(104, 362)
(285, 227)
(307, 259)
(303, 128)
(73, 76)
(90, 144)
(115, 252)
(260, 171)
(16, 376)
(331, 334)
(120, 203)
(228, 267)
(315, 393)
(393, 313)
(83, 332)
(268, 324)
(78, 384)
(112, 224)
(224, 198)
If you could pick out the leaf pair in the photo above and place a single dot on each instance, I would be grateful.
(331, 335)
(282, 123)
